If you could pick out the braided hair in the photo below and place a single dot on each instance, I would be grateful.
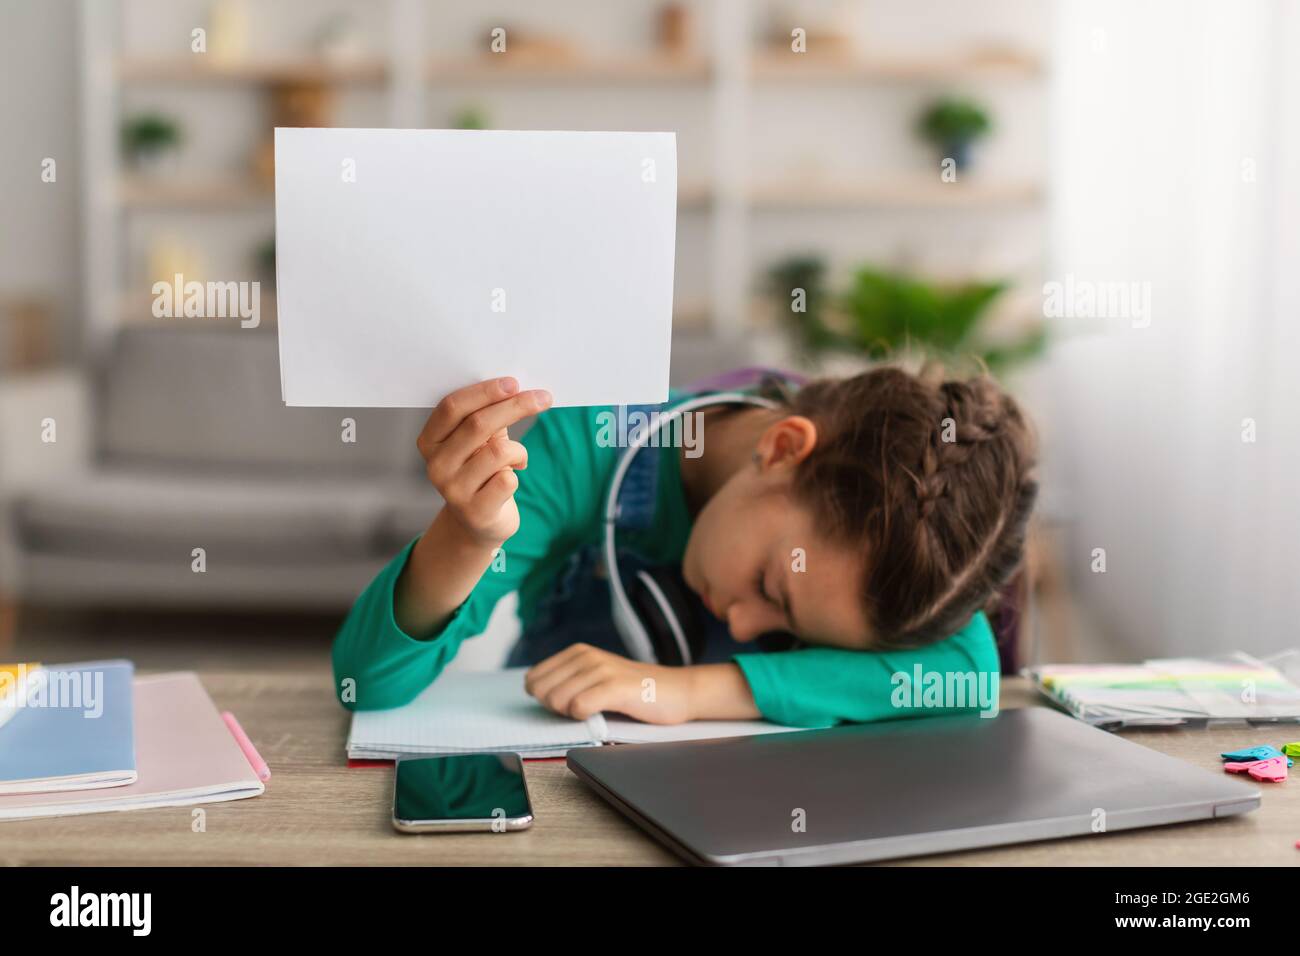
(931, 480)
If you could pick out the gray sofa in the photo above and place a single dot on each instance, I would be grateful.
(184, 443)
(189, 446)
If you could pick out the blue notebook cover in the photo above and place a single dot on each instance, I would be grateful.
(75, 731)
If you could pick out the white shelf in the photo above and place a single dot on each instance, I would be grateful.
(786, 66)
(821, 191)
(202, 69)
(635, 69)
(215, 193)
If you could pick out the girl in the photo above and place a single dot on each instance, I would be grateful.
(871, 517)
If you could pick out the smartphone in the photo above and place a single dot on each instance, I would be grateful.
(460, 792)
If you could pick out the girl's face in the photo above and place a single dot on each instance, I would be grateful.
(756, 561)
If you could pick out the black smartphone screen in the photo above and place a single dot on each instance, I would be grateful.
(460, 787)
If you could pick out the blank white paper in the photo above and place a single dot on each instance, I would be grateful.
(410, 263)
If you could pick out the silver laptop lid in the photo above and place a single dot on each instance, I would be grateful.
(901, 788)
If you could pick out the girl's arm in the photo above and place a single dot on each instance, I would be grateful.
(813, 687)
(582, 680)
(822, 686)
(471, 461)
(410, 621)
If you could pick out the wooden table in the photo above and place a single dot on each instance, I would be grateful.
(317, 811)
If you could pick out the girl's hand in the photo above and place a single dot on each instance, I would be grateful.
(471, 459)
(582, 680)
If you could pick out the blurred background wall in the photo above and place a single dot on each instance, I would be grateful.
(1177, 138)
(923, 172)
(40, 247)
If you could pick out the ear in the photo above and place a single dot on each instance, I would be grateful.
(787, 442)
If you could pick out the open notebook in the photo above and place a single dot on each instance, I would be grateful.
(489, 711)
(184, 751)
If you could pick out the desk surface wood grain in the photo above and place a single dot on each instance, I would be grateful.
(318, 811)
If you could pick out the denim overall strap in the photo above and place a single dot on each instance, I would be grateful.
(635, 508)
(577, 608)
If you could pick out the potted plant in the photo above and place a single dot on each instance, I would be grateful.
(149, 140)
(952, 125)
(264, 260)
(885, 315)
(470, 117)
(798, 288)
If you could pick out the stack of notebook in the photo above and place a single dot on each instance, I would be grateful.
(1180, 690)
(88, 738)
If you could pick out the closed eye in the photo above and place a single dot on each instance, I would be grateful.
(780, 603)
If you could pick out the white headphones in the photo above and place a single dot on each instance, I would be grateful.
(670, 642)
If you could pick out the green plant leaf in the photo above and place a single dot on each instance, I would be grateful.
(950, 121)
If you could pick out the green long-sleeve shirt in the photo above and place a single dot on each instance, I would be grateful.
(561, 497)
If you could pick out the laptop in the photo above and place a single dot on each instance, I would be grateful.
(866, 792)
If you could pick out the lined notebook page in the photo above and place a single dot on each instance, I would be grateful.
(471, 712)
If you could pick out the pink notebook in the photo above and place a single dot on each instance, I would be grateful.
(185, 754)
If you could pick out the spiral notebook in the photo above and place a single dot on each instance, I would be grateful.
(490, 712)
(1234, 688)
